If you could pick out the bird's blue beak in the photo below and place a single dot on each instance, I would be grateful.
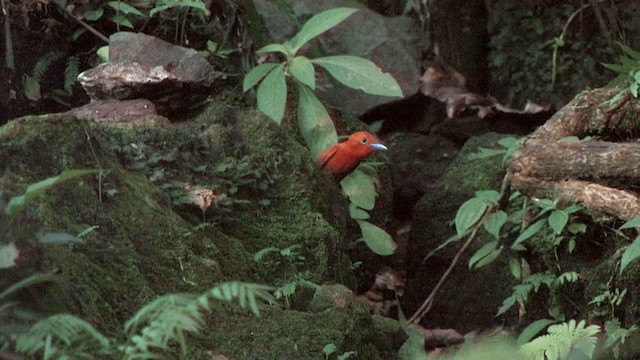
(378, 146)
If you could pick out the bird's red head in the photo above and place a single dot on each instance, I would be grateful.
(341, 159)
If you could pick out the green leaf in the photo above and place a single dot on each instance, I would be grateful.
(93, 15)
(125, 8)
(76, 34)
(272, 94)
(515, 268)
(359, 73)
(59, 238)
(529, 232)
(198, 5)
(577, 228)
(17, 203)
(469, 213)
(558, 220)
(103, 53)
(484, 251)
(629, 51)
(318, 24)
(121, 20)
(24, 283)
(631, 254)
(489, 258)
(413, 347)
(275, 48)
(8, 255)
(360, 188)
(632, 223)
(450, 240)
(532, 330)
(378, 240)
(356, 213)
(491, 196)
(314, 122)
(494, 223)
(256, 74)
(302, 69)
(32, 88)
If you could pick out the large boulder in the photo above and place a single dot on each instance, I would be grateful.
(149, 236)
(468, 299)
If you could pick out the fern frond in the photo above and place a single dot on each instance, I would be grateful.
(60, 335)
(44, 63)
(562, 340)
(247, 294)
(71, 72)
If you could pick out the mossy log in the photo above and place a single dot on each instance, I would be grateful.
(600, 173)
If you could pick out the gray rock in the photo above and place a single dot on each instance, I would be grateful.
(142, 66)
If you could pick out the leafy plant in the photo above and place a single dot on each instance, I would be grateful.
(287, 262)
(314, 122)
(628, 73)
(331, 349)
(632, 253)
(571, 337)
(150, 333)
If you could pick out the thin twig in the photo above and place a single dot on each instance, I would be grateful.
(84, 24)
(426, 305)
(9, 57)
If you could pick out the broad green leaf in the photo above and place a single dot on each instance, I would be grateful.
(361, 74)
(469, 213)
(632, 223)
(125, 8)
(121, 20)
(631, 254)
(318, 24)
(577, 228)
(275, 48)
(314, 122)
(494, 223)
(488, 259)
(272, 94)
(509, 141)
(302, 69)
(356, 213)
(93, 15)
(413, 347)
(8, 255)
(360, 188)
(17, 203)
(484, 251)
(378, 240)
(491, 196)
(516, 268)
(256, 74)
(529, 232)
(103, 53)
(532, 330)
(198, 5)
(558, 220)
(545, 204)
(329, 349)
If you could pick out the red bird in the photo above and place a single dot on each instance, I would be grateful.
(341, 159)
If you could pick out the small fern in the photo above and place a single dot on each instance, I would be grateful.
(521, 291)
(44, 63)
(170, 317)
(71, 72)
(61, 336)
(563, 340)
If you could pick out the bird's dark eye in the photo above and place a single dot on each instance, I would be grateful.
(363, 140)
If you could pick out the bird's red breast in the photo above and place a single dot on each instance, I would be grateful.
(341, 159)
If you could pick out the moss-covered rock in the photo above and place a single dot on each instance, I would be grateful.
(468, 299)
(148, 240)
